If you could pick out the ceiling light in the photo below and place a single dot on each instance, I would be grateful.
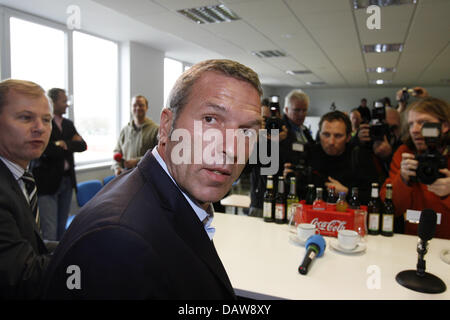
(380, 69)
(209, 14)
(380, 47)
(361, 4)
(380, 81)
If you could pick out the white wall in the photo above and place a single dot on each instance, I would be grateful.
(142, 70)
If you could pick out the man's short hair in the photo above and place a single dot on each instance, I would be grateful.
(142, 97)
(53, 93)
(180, 92)
(337, 116)
(296, 94)
(23, 87)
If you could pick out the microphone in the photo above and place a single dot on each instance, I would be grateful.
(315, 247)
(119, 158)
(419, 280)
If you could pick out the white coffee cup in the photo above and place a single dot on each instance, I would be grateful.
(348, 239)
(305, 230)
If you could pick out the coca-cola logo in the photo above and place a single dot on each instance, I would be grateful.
(331, 226)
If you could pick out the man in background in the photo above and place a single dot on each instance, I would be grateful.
(55, 169)
(136, 138)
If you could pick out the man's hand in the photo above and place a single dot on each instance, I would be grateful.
(287, 169)
(339, 186)
(118, 171)
(364, 133)
(408, 166)
(131, 163)
(61, 144)
(441, 187)
(382, 149)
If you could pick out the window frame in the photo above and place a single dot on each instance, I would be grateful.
(7, 13)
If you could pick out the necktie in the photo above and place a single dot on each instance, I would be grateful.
(30, 185)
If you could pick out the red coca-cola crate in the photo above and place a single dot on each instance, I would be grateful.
(329, 222)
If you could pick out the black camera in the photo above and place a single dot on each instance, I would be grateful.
(274, 122)
(431, 160)
(378, 126)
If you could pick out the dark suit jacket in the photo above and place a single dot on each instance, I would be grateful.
(48, 170)
(138, 238)
(23, 255)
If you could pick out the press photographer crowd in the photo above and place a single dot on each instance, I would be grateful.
(386, 159)
(148, 233)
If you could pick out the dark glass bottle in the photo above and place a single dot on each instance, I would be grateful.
(269, 201)
(280, 203)
(374, 211)
(387, 221)
(310, 194)
(332, 196)
(354, 203)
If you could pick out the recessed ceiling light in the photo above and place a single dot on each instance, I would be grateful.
(380, 69)
(380, 81)
(361, 4)
(383, 47)
(210, 14)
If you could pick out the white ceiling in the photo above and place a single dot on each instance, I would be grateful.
(324, 36)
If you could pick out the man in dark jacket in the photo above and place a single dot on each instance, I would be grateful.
(54, 171)
(25, 126)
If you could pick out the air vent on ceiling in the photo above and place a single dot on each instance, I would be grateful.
(209, 14)
(294, 72)
(269, 54)
(361, 4)
(383, 47)
(316, 83)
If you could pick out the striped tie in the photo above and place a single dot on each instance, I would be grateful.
(30, 185)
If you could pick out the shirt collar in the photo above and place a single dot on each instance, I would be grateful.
(15, 169)
(200, 212)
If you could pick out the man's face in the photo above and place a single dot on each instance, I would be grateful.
(333, 137)
(363, 103)
(355, 118)
(25, 127)
(297, 111)
(415, 123)
(217, 102)
(139, 108)
(60, 105)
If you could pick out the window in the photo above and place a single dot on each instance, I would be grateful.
(38, 54)
(172, 70)
(95, 79)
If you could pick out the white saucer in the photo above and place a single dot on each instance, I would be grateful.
(295, 239)
(360, 247)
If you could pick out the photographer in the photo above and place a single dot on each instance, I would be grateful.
(381, 137)
(419, 170)
(334, 162)
(270, 111)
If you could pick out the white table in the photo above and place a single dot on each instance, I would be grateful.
(235, 202)
(262, 262)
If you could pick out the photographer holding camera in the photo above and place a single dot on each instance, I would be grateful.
(419, 171)
(381, 136)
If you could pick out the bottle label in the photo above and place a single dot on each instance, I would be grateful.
(267, 210)
(374, 221)
(279, 211)
(388, 223)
